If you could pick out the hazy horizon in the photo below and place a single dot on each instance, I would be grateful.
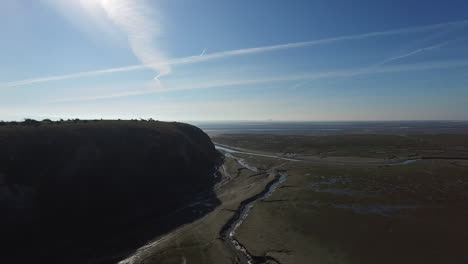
(40, 118)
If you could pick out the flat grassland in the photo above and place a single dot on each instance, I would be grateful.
(358, 146)
(350, 199)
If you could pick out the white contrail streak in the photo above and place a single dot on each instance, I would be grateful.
(230, 53)
(224, 54)
(421, 50)
(72, 76)
(297, 77)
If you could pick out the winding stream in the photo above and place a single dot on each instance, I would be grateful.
(232, 150)
(229, 229)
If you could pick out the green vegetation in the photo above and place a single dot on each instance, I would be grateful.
(328, 213)
(338, 213)
(369, 146)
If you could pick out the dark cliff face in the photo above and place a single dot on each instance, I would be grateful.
(62, 185)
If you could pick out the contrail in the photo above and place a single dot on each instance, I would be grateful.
(284, 78)
(429, 48)
(421, 50)
(72, 76)
(412, 53)
(230, 53)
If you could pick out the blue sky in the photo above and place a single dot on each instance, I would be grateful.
(234, 60)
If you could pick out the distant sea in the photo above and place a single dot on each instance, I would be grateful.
(334, 127)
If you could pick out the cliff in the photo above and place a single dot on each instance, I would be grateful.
(66, 184)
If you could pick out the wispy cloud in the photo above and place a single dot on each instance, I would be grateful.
(140, 44)
(141, 24)
(138, 20)
(297, 77)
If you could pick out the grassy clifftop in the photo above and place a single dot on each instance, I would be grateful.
(82, 181)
